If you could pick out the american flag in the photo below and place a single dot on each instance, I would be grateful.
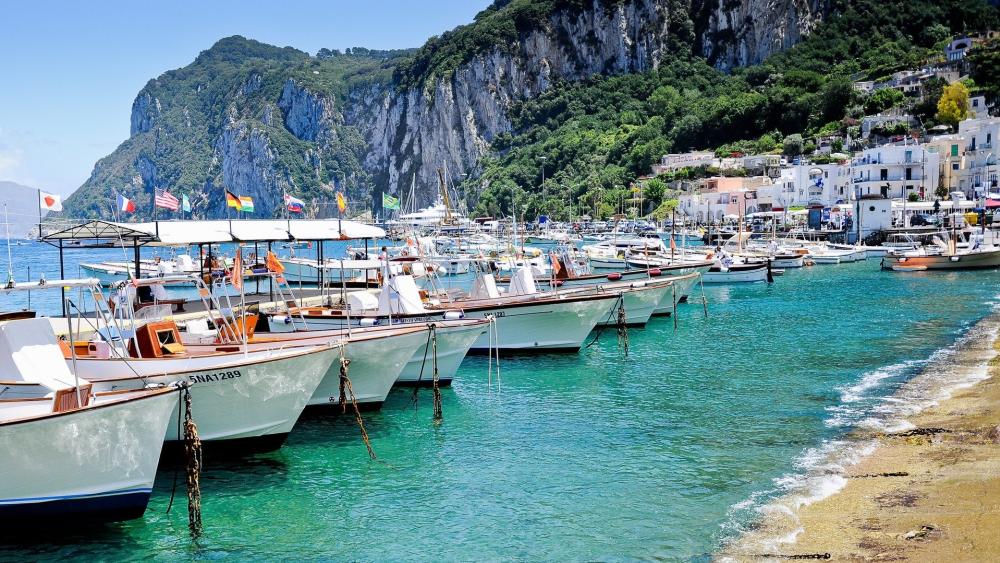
(164, 199)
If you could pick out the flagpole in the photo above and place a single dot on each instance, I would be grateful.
(39, 215)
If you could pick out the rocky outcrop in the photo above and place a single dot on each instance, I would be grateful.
(748, 31)
(145, 110)
(248, 165)
(309, 116)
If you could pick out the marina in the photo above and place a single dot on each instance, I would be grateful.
(535, 409)
(501, 280)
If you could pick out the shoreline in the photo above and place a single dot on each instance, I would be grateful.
(924, 486)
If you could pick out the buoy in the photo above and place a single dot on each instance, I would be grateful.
(614, 277)
(654, 272)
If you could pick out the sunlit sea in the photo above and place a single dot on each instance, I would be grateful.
(665, 453)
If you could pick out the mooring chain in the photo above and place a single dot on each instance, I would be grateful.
(438, 417)
(420, 376)
(192, 451)
(347, 389)
(622, 328)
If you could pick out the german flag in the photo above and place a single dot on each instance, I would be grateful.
(232, 200)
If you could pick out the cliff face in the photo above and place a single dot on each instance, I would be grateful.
(452, 121)
(746, 32)
(260, 121)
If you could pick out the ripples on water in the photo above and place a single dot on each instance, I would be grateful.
(588, 456)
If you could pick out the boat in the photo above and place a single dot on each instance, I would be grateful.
(453, 338)
(943, 256)
(378, 357)
(242, 399)
(737, 273)
(524, 323)
(72, 454)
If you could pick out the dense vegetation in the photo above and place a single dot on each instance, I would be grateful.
(594, 138)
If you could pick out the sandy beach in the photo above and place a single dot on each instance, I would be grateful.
(930, 492)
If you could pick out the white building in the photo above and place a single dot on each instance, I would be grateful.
(670, 162)
(807, 185)
(980, 137)
(896, 171)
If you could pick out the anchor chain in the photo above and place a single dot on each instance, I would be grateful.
(438, 417)
(346, 389)
(622, 328)
(192, 451)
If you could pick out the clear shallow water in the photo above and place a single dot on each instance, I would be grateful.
(583, 456)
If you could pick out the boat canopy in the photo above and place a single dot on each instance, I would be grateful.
(178, 233)
(29, 352)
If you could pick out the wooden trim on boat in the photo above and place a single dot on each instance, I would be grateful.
(150, 394)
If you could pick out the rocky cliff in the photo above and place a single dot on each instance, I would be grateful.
(451, 120)
(260, 120)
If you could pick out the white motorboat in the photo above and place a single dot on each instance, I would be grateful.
(736, 273)
(453, 340)
(533, 322)
(638, 300)
(69, 453)
(249, 399)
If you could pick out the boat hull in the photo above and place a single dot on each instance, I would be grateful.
(740, 274)
(95, 464)
(550, 325)
(234, 396)
(972, 261)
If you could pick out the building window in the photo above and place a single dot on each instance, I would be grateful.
(909, 173)
(954, 150)
(954, 166)
(884, 174)
(909, 156)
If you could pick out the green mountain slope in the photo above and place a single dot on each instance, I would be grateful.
(594, 138)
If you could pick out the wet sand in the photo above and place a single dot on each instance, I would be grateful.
(927, 493)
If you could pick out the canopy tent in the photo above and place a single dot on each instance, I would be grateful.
(182, 233)
(99, 233)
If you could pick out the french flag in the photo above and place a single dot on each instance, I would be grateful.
(294, 205)
(125, 205)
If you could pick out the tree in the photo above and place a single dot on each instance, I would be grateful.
(792, 145)
(954, 104)
(883, 99)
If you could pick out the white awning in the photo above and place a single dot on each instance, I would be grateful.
(182, 233)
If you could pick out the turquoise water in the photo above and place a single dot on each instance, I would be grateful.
(577, 457)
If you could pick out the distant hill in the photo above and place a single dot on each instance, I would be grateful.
(22, 208)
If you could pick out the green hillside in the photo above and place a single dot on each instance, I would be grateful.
(595, 138)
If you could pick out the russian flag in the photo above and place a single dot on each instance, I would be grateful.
(125, 205)
(294, 205)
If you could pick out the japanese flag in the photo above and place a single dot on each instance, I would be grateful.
(50, 202)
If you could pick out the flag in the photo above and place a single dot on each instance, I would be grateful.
(389, 202)
(673, 244)
(166, 200)
(185, 204)
(294, 205)
(341, 202)
(125, 205)
(236, 274)
(556, 266)
(275, 265)
(246, 204)
(232, 200)
(51, 202)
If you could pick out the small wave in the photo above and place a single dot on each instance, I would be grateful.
(768, 519)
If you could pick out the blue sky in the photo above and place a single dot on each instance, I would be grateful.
(69, 70)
